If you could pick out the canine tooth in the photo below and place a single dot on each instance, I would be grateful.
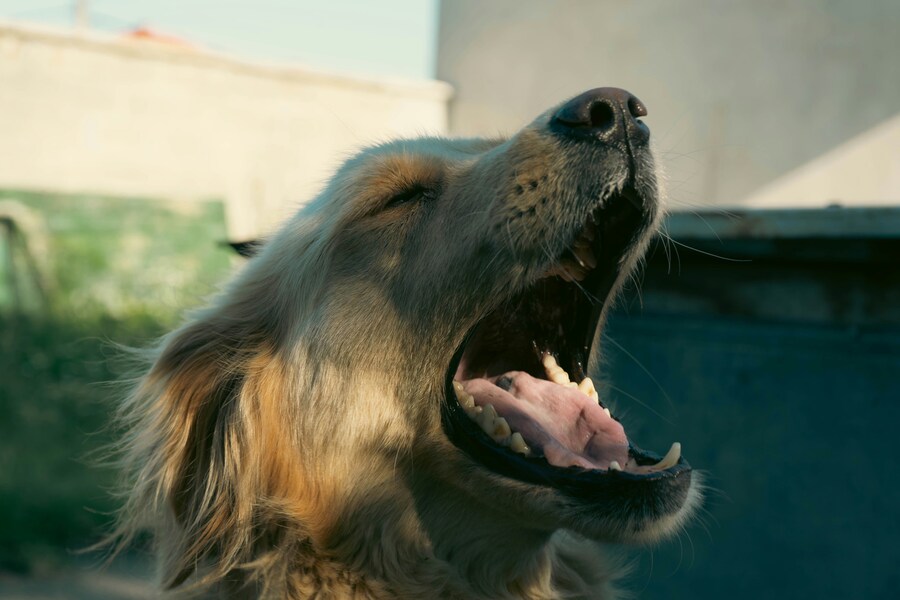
(614, 466)
(587, 387)
(584, 256)
(608, 414)
(517, 444)
(671, 457)
(501, 430)
(490, 411)
(573, 270)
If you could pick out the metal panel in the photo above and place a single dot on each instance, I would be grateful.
(833, 222)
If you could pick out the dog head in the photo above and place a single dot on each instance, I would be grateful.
(402, 348)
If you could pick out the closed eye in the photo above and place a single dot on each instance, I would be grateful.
(415, 193)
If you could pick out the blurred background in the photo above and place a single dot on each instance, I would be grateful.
(138, 138)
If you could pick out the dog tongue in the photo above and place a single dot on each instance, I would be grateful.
(567, 426)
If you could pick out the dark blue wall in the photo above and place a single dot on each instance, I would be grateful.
(780, 374)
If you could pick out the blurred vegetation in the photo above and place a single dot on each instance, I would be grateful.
(53, 495)
(79, 275)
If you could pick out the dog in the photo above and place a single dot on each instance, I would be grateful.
(390, 399)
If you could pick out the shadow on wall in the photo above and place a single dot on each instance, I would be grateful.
(865, 170)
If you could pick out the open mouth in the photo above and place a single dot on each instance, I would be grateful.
(518, 397)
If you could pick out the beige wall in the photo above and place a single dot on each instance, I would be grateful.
(115, 116)
(862, 171)
(740, 94)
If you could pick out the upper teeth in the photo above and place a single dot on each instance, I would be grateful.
(587, 387)
(583, 253)
(557, 374)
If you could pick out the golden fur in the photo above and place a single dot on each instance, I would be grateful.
(286, 441)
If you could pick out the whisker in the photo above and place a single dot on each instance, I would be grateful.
(699, 251)
(640, 402)
(645, 370)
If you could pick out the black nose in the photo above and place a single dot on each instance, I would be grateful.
(607, 114)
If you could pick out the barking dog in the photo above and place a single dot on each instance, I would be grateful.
(391, 401)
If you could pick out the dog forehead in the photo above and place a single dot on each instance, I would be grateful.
(436, 147)
(423, 156)
(377, 172)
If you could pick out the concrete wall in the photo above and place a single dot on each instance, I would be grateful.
(108, 115)
(740, 94)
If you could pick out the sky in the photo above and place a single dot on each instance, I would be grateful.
(371, 37)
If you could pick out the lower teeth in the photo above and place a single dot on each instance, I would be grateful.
(517, 444)
(492, 424)
(499, 430)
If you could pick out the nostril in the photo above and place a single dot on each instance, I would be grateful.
(636, 107)
(602, 115)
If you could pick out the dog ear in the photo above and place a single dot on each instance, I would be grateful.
(204, 370)
(190, 452)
